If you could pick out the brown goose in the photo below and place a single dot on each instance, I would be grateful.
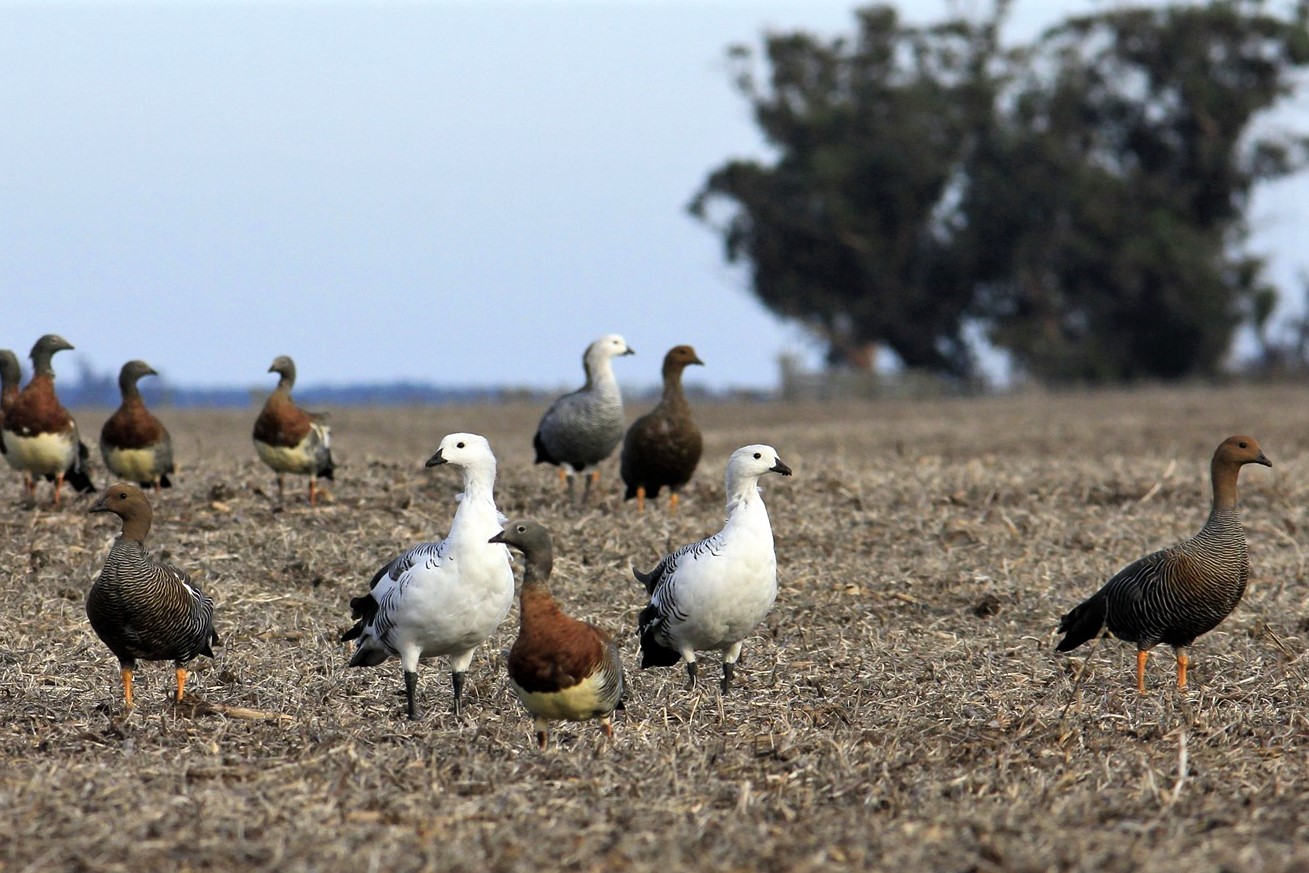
(662, 447)
(134, 444)
(142, 609)
(559, 667)
(39, 435)
(10, 377)
(290, 440)
(1177, 594)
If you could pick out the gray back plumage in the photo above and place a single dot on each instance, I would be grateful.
(142, 609)
(584, 427)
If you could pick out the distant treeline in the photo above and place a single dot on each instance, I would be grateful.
(90, 389)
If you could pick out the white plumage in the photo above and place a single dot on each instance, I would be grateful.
(709, 595)
(441, 598)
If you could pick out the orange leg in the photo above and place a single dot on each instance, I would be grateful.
(640, 498)
(1140, 670)
(607, 727)
(672, 502)
(562, 476)
(542, 732)
(313, 491)
(127, 686)
(1182, 662)
(59, 484)
(181, 682)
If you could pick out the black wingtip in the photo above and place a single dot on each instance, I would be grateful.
(542, 455)
(79, 480)
(1082, 624)
(646, 579)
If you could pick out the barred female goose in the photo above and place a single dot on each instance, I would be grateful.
(134, 444)
(581, 429)
(1175, 595)
(559, 667)
(290, 440)
(709, 595)
(441, 598)
(662, 447)
(40, 436)
(142, 609)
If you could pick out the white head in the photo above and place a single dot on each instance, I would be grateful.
(605, 349)
(748, 463)
(467, 451)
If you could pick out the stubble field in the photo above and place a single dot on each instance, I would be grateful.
(900, 708)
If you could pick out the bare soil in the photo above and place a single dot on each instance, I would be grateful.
(902, 706)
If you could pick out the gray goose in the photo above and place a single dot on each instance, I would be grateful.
(1177, 594)
(142, 609)
(559, 667)
(662, 447)
(40, 436)
(582, 428)
(134, 444)
(290, 440)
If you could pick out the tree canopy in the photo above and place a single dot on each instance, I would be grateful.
(1082, 199)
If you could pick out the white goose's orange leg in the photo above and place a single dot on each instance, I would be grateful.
(1140, 670)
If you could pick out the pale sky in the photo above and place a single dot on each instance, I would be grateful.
(456, 193)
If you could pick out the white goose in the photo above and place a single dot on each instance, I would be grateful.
(709, 595)
(441, 598)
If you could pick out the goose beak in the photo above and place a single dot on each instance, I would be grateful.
(100, 505)
(436, 460)
(498, 538)
(1263, 459)
(779, 467)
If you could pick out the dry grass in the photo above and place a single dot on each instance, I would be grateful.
(901, 707)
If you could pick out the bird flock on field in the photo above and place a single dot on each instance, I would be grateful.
(446, 597)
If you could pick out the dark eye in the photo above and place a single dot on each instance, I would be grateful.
(757, 456)
(522, 528)
(459, 446)
(1244, 446)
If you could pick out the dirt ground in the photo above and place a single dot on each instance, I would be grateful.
(902, 706)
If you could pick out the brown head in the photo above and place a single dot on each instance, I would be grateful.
(284, 367)
(1233, 454)
(131, 372)
(1240, 450)
(130, 504)
(679, 358)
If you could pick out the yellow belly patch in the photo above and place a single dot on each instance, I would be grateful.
(42, 454)
(134, 465)
(297, 459)
(578, 703)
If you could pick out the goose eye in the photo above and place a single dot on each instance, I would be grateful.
(1245, 445)
(522, 528)
(459, 446)
(757, 456)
